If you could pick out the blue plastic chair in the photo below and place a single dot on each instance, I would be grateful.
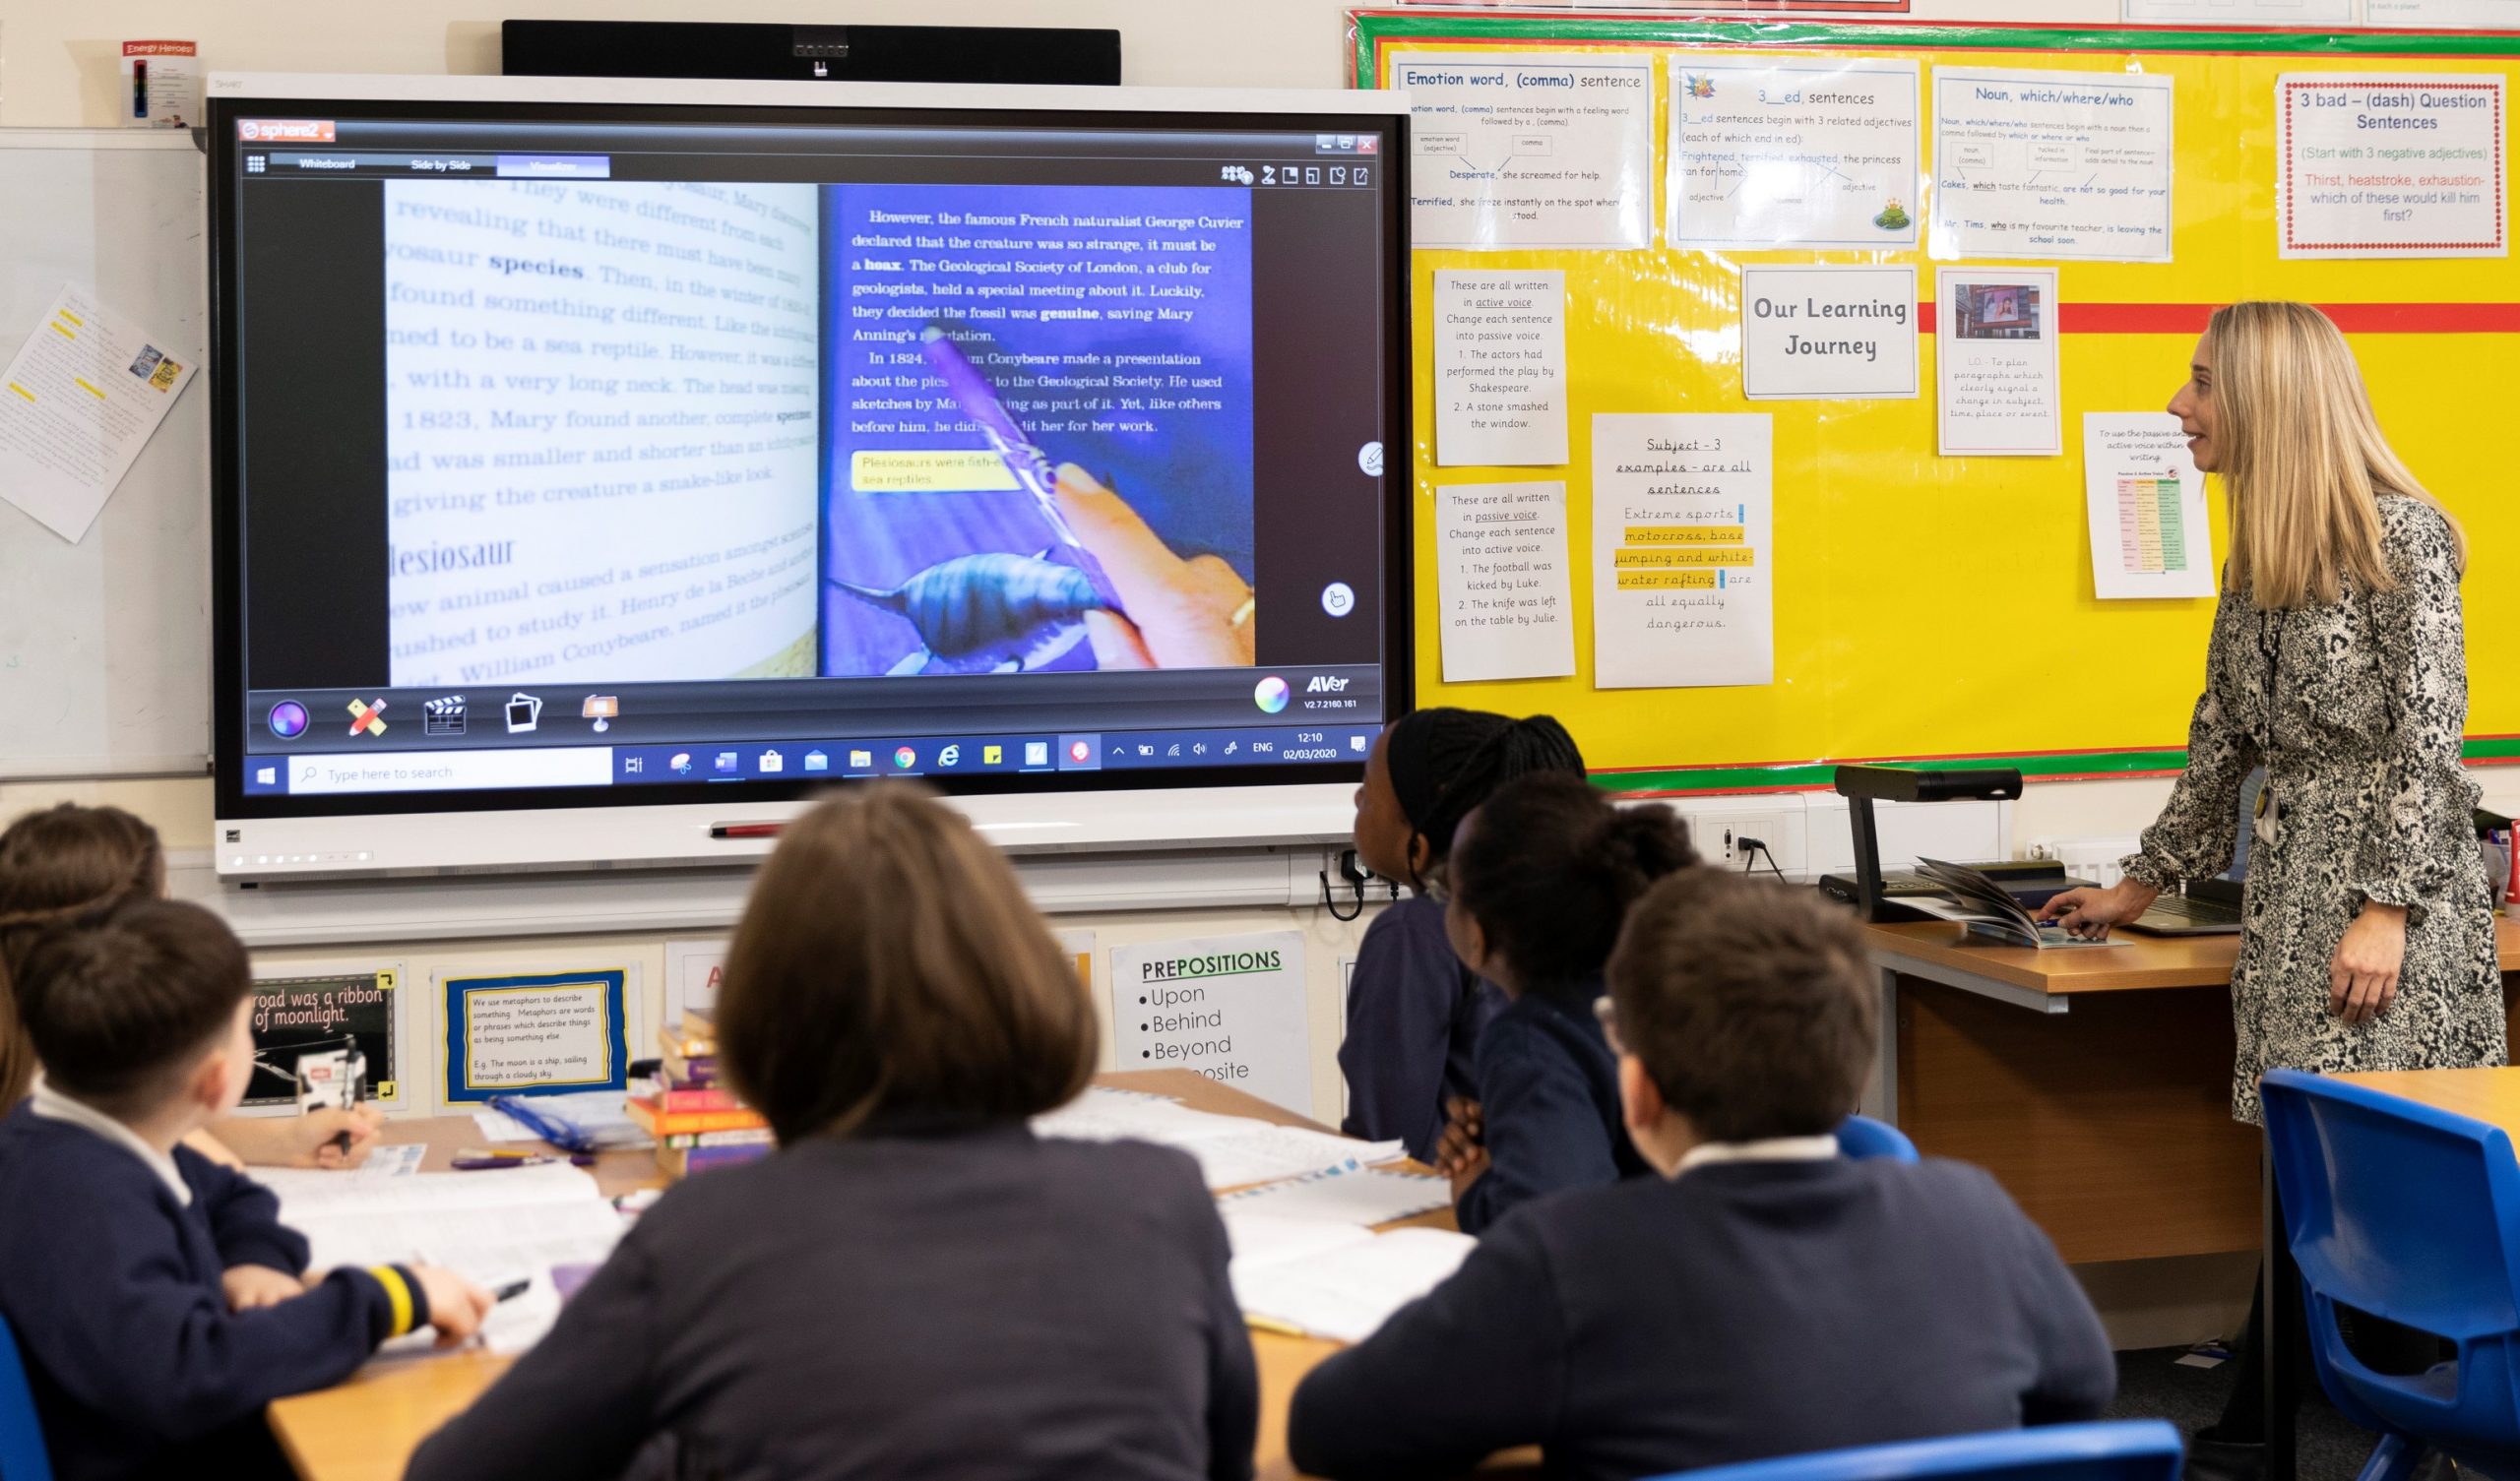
(2125, 1449)
(2411, 1214)
(21, 1451)
(1861, 1137)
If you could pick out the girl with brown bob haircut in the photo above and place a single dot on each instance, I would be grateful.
(890, 966)
(914, 1283)
(68, 862)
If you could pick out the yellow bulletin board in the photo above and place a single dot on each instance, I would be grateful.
(1942, 608)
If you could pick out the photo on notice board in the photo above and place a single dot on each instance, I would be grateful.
(1998, 311)
(328, 1039)
(1996, 362)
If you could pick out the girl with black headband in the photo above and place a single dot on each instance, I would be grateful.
(1414, 1011)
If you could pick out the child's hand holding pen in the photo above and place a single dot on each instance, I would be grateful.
(1181, 614)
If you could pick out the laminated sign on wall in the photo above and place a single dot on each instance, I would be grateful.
(1229, 1007)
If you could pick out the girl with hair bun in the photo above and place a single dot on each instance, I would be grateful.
(1541, 879)
(1414, 1011)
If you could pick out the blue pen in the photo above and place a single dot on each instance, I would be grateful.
(551, 1129)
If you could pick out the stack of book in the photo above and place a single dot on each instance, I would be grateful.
(698, 1123)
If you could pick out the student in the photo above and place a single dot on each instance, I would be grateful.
(1764, 1295)
(1414, 1011)
(912, 1284)
(67, 861)
(158, 1300)
(1541, 874)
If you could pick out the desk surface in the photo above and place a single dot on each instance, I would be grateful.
(2130, 963)
(2488, 1096)
(365, 1429)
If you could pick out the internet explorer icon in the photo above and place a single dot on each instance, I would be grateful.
(1271, 695)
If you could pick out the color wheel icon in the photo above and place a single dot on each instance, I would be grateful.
(1271, 695)
(288, 720)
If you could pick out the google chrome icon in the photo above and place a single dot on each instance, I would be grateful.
(1272, 694)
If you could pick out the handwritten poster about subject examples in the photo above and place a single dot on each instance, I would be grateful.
(1682, 554)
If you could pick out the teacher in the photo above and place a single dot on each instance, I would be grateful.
(2338, 663)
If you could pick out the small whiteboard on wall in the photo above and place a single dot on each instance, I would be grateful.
(104, 644)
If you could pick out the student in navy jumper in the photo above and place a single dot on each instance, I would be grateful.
(1542, 874)
(1414, 1011)
(158, 1302)
(914, 1284)
(1764, 1295)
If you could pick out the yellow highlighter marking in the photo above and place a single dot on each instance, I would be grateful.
(22, 391)
(81, 382)
(73, 318)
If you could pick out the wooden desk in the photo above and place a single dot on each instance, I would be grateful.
(366, 1428)
(2105, 1107)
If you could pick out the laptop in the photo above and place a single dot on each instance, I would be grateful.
(2210, 907)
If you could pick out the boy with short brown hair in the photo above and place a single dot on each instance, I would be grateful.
(1765, 1295)
(157, 1298)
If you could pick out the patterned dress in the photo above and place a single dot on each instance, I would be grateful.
(2355, 711)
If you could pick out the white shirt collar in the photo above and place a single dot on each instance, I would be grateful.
(51, 1104)
(1772, 1149)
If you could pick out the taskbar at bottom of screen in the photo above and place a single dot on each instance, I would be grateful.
(802, 760)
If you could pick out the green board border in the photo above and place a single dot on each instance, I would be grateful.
(1373, 27)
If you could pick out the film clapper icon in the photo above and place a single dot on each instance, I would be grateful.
(446, 717)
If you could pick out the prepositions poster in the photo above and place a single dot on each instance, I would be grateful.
(319, 1013)
(1502, 576)
(1229, 1007)
(533, 1034)
(2150, 536)
(1500, 369)
(2052, 164)
(2391, 166)
(1530, 152)
(1810, 153)
(1995, 356)
(1684, 569)
(1828, 334)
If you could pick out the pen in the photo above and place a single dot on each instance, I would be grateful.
(513, 1289)
(1032, 467)
(492, 1164)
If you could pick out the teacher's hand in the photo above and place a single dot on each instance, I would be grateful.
(2089, 912)
(2363, 980)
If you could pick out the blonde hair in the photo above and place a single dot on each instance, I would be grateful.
(2303, 457)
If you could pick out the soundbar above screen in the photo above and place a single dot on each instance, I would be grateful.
(688, 446)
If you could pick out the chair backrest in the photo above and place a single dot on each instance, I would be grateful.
(1863, 1136)
(2127, 1449)
(2395, 1207)
(21, 1451)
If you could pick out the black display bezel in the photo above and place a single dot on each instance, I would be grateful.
(228, 577)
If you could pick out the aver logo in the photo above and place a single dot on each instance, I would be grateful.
(1325, 684)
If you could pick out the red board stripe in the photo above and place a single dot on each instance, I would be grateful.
(2352, 318)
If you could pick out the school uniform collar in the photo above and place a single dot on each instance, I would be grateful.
(52, 1105)
(1767, 1149)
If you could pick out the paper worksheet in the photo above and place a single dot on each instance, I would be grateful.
(1530, 151)
(1816, 151)
(78, 402)
(2447, 14)
(2061, 164)
(1500, 369)
(1506, 597)
(1995, 355)
(1345, 1288)
(1683, 555)
(492, 1228)
(1232, 1151)
(2149, 533)
(2391, 165)
(2245, 12)
(1344, 1197)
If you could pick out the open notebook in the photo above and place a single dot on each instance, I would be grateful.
(1232, 1151)
(1334, 1279)
(496, 1227)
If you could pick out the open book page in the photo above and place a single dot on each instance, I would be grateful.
(1346, 1197)
(1232, 1151)
(1349, 1290)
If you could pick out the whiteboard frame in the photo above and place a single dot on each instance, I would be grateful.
(399, 837)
